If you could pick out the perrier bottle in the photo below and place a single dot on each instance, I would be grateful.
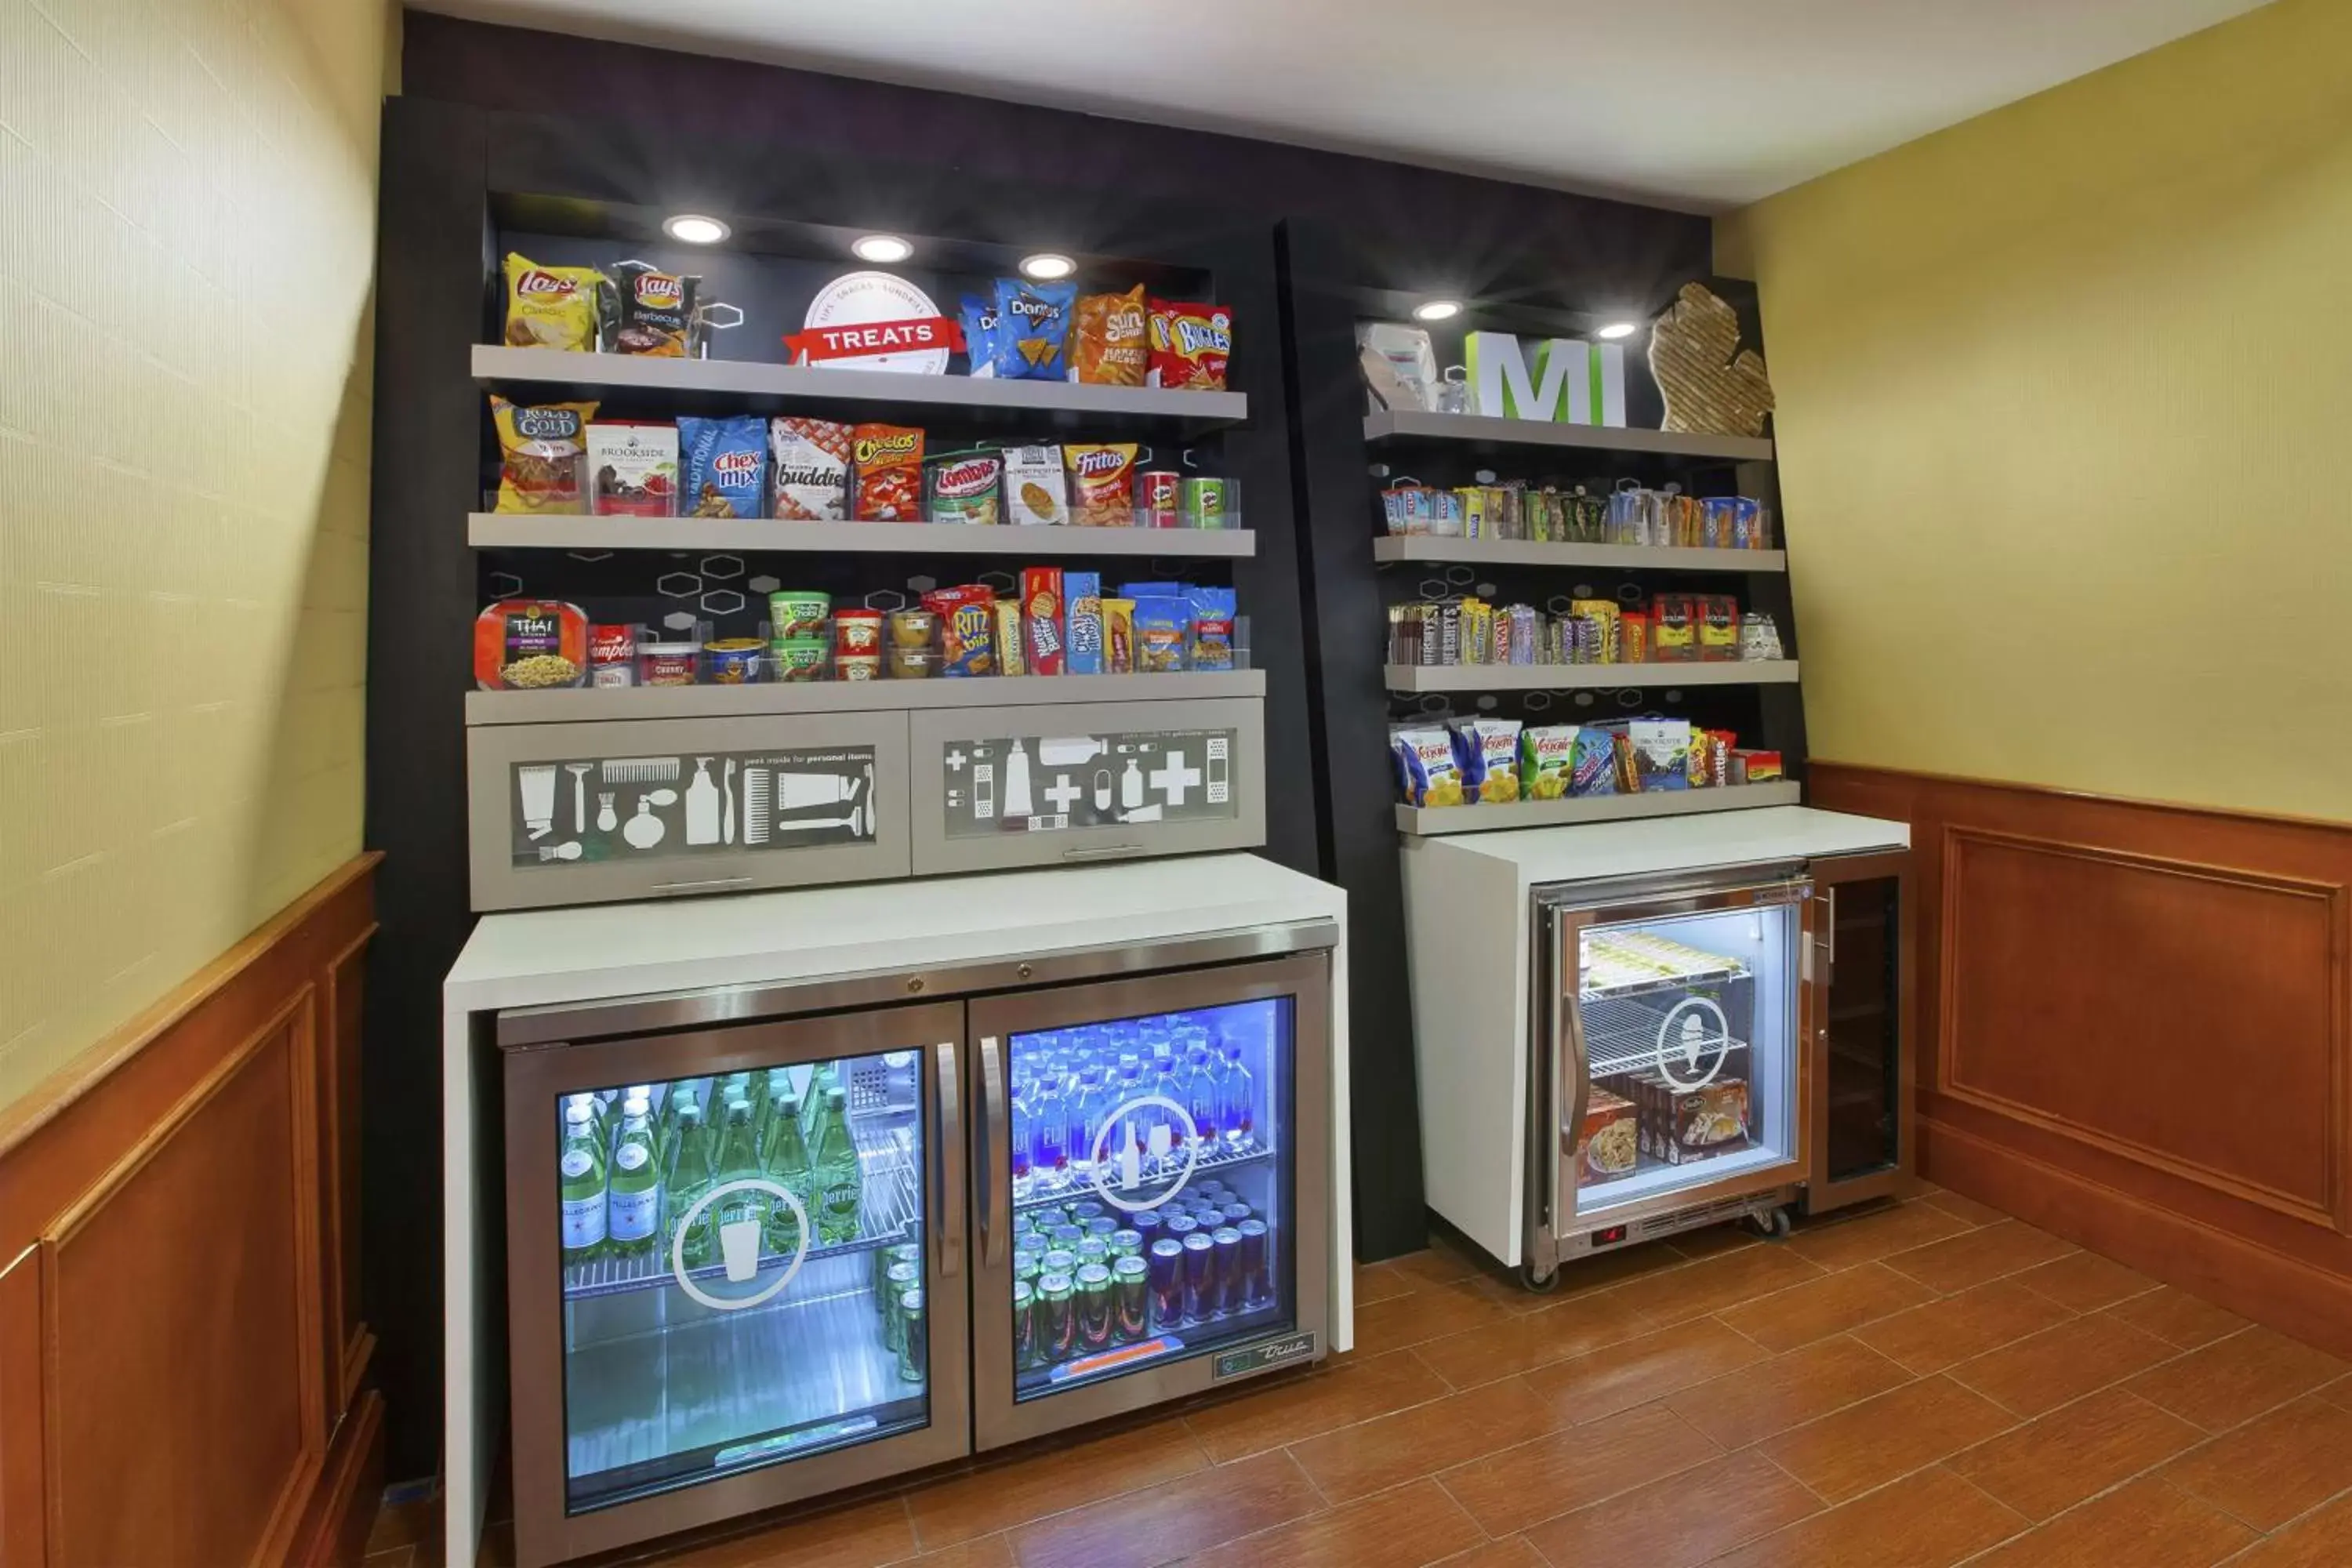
(633, 1211)
(840, 1186)
(788, 1166)
(739, 1159)
(582, 1162)
(692, 1164)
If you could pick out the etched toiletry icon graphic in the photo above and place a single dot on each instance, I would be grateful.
(1017, 782)
(645, 829)
(538, 785)
(1173, 778)
(1131, 785)
(579, 771)
(566, 851)
(607, 819)
(1055, 784)
(755, 806)
(1219, 785)
(727, 804)
(702, 806)
(1102, 790)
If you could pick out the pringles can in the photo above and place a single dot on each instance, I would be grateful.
(1206, 501)
(1158, 498)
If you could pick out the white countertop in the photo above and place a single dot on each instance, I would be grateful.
(1600, 850)
(543, 956)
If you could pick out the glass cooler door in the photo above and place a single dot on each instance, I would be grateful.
(732, 1278)
(1151, 1207)
(1683, 1054)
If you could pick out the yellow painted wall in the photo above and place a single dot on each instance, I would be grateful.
(187, 230)
(2065, 403)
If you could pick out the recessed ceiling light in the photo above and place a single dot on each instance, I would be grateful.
(695, 229)
(1615, 329)
(882, 248)
(1436, 310)
(1047, 265)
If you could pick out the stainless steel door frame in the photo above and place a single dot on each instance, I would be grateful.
(1823, 1191)
(493, 752)
(535, 1076)
(998, 1419)
(1559, 1078)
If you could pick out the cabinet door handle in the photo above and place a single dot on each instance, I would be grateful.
(946, 1224)
(991, 1089)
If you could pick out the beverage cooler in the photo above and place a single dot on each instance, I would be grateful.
(765, 1244)
(1685, 1045)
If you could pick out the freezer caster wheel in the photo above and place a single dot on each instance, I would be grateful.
(1539, 1284)
(1772, 1225)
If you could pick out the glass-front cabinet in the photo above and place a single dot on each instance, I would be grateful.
(730, 1283)
(1157, 1150)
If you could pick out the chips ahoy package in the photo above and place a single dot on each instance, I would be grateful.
(726, 463)
(1032, 329)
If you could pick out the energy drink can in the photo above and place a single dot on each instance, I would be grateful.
(1200, 1278)
(1094, 1309)
(1057, 1324)
(1024, 1326)
(1130, 1301)
(1231, 1290)
(913, 1341)
(1167, 1278)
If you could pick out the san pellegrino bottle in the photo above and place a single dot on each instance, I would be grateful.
(582, 1163)
(739, 1159)
(594, 1105)
(693, 1166)
(633, 1192)
(840, 1185)
(787, 1164)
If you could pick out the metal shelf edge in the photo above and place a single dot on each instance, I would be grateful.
(1586, 676)
(505, 531)
(1391, 423)
(1537, 553)
(577, 705)
(1425, 822)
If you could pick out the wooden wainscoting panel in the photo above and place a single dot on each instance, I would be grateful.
(2143, 1028)
(23, 1521)
(350, 1343)
(175, 1291)
(2104, 994)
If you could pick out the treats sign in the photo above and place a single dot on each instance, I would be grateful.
(875, 320)
(1573, 382)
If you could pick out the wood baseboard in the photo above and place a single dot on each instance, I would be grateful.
(181, 1358)
(2138, 1029)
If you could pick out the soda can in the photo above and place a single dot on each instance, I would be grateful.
(1130, 1299)
(1094, 1249)
(1057, 1324)
(1086, 1210)
(1024, 1326)
(1065, 1236)
(1061, 1261)
(1256, 1288)
(1179, 1225)
(1043, 1220)
(1094, 1309)
(1211, 1191)
(1147, 1223)
(912, 1338)
(1231, 1290)
(1125, 1244)
(1101, 1225)
(886, 1258)
(1158, 498)
(1207, 501)
(1236, 1212)
(1200, 1278)
(1167, 1271)
(902, 1278)
(1021, 1224)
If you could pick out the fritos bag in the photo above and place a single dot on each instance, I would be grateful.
(1102, 477)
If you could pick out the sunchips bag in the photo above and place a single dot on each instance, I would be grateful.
(1110, 345)
(542, 455)
(553, 307)
(1487, 750)
(1426, 770)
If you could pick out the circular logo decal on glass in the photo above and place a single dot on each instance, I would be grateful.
(864, 299)
(1693, 1044)
(1128, 1162)
(739, 1247)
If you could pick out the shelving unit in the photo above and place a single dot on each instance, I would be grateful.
(1423, 822)
(1481, 433)
(1571, 677)
(755, 387)
(1400, 547)
(515, 530)
(589, 703)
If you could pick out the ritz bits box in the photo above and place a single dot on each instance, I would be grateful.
(1041, 619)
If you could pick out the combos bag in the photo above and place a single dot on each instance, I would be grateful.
(1032, 329)
(1189, 345)
(656, 310)
(1111, 343)
(542, 455)
(553, 307)
(726, 465)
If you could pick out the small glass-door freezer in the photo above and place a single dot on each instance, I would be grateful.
(736, 1270)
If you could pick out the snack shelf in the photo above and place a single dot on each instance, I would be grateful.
(750, 386)
(591, 704)
(1429, 822)
(1568, 676)
(1545, 553)
(1208, 1165)
(1481, 433)
(516, 531)
(888, 1214)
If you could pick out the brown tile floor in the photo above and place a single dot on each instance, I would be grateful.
(1928, 1384)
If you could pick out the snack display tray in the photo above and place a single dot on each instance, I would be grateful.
(754, 386)
(1476, 430)
(510, 530)
(582, 704)
(1568, 676)
(1426, 821)
(1545, 552)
